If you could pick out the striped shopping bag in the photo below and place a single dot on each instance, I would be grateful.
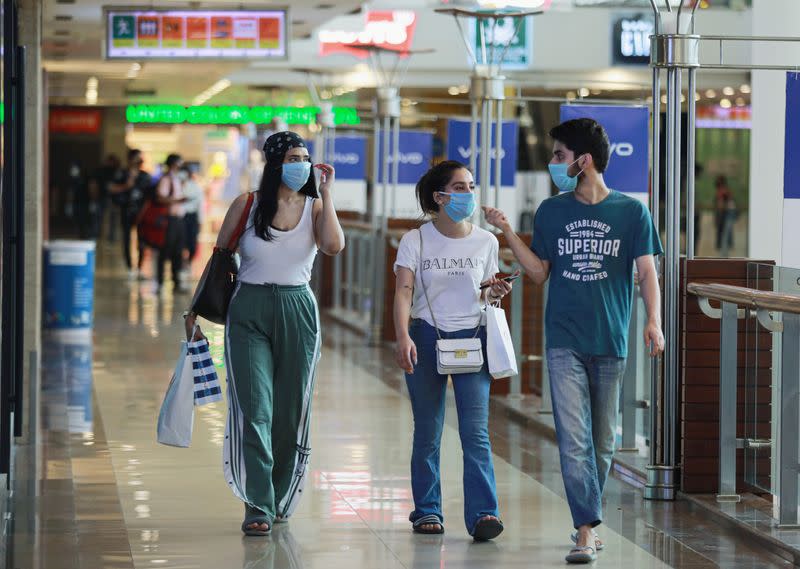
(207, 388)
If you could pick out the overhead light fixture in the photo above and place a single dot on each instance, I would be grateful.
(728, 91)
(725, 103)
(745, 89)
(212, 91)
(133, 72)
(583, 92)
(711, 94)
(740, 102)
(453, 90)
(571, 95)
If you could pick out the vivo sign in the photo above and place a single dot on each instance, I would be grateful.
(349, 156)
(466, 152)
(392, 30)
(414, 156)
(623, 149)
(627, 127)
(458, 148)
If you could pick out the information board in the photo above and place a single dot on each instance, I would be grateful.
(195, 34)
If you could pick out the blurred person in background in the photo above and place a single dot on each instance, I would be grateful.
(195, 202)
(100, 186)
(128, 191)
(721, 197)
(169, 192)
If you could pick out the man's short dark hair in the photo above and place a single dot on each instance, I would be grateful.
(585, 136)
(133, 153)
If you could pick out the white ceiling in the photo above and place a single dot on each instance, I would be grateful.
(73, 49)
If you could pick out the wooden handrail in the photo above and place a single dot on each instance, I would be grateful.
(748, 297)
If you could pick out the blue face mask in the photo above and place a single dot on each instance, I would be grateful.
(561, 179)
(295, 174)
(460, 206)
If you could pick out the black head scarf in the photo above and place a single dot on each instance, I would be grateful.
(278, 144)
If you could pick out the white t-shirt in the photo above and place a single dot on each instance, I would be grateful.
(453, 270)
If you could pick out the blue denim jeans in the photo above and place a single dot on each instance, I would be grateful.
(585, 391)
(427, 389)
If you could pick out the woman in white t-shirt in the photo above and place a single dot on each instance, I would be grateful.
(456, 258)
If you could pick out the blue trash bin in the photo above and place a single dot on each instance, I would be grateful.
(69, 284)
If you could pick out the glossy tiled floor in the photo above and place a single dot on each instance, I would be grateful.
(112, 497)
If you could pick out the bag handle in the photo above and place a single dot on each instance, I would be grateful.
(428, 300)
(234, 241)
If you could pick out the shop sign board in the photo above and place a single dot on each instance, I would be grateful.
(519, 54)
(74, 121)
(791, 175)
(195, 34)
(234, 114)
(349, 156)
(791, 169)
(393, 30)
(415, 156)
(628, 131)
(630, 39)
(458, 148)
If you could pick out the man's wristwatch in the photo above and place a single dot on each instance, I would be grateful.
(188, 313)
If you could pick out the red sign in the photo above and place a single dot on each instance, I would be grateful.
(392, 30)
(75, 121)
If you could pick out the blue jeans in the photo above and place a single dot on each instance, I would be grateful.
(427, 389)
(585, 391)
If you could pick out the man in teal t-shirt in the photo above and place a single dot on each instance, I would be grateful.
(586, 241)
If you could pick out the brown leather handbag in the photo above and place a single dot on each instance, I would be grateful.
(216, 286)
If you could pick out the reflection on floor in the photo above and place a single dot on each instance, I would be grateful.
(113, 498)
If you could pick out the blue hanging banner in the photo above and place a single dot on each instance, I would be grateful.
(416, 155)
(791, 164)
(458, 148)
(628, 130)
(349, 156)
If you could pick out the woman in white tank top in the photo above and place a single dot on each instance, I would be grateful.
(272, 336)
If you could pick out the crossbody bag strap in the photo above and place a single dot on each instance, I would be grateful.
(424, 288)
(232, 244)
(428, 300)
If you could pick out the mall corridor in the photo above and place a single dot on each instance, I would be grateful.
(113, 498)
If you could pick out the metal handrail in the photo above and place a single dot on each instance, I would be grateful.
(748, 297)
(787, 327)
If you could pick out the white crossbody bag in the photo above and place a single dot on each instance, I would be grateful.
(461, 355)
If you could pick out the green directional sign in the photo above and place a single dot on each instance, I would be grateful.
(233, 114)
(123, 31)
(519, 54)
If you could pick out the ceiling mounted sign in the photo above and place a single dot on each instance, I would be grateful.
(393, 30)
(233, 114)
(195, 34)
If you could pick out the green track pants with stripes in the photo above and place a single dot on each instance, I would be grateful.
(272, 346)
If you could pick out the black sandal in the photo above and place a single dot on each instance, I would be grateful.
(255, 516)
(429, 520)
(487, 528)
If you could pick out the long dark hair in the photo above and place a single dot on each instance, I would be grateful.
(435, 180)
(267, 205)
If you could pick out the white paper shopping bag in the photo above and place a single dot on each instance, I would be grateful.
(499, 347)
(176, 418)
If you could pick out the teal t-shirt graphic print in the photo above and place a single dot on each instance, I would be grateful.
(592, 250)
